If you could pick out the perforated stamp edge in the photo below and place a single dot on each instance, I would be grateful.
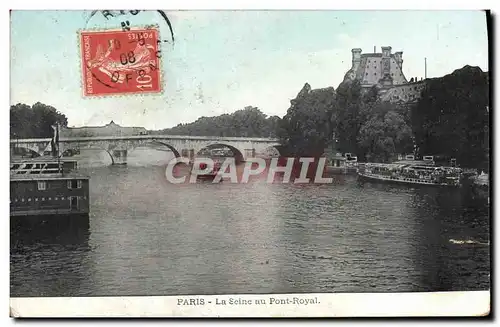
(162, 80)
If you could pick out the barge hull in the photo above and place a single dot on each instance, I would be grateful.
(402, 182)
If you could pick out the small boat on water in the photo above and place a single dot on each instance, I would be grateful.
(208, 174)
(480, 186)
(482, 180)
(412, 173)
(346, 164)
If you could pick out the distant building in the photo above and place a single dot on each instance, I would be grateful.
(384, 70)
(110, 129)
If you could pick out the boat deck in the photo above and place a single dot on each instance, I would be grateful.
(405, 180)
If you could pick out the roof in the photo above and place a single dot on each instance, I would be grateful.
(385, 165)
(414, 162)
(40, 160)
(409, 164)
(371, 55)
(110, 124)
(46, 177)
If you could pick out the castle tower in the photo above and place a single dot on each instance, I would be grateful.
(386, 61)
(386, 79)
(383, 68)
(356, 58)
(398, 56)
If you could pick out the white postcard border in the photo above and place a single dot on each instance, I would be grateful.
(417, 304)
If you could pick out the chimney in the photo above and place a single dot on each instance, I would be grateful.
(425, 62)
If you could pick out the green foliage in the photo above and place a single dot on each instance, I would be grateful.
(384, 134)
(352, 110)
(34, 121)
(451, 119)
(306, 128)
(360, 122)
(249, 122)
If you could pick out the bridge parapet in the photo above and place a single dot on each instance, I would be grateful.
(242, 147)
(165, 137)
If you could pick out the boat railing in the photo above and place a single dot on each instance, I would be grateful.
(31, 168)
(413, 180)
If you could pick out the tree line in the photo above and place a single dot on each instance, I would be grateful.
(34, 121)
(450, 120)
(452, 117)
(348, 120)
(247, 122)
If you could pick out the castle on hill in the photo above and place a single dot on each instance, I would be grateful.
(385, 71)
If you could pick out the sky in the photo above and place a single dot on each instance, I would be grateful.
(223, 61)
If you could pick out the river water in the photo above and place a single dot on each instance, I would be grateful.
(148, 237)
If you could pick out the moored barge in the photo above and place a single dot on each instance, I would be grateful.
(42, 187)
(411, 174)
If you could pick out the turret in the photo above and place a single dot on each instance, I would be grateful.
(356, 58)
(386, 51)
(399, 58)
(386, 79)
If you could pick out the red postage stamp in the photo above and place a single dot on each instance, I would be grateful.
(120, 62)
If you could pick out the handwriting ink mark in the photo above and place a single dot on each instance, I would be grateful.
(162, 13)
(126, 26)
(107, 13)
(97, 79)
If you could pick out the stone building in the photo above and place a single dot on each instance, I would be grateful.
(384, 70)
(110, 129)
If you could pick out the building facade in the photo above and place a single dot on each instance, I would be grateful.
(385, 71)
(111, 129)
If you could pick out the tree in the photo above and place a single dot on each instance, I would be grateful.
(34, 121)
(451, 118)
(385, 134)
(353, 106)
(306, 128)
(248, 122)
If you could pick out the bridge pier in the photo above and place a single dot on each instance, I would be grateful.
(119, 157)
(249, 153)
(188, 153)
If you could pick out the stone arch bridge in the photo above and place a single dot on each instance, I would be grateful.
(181, 145)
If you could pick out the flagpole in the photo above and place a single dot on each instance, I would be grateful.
(57, 147)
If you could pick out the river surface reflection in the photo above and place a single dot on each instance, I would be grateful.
(148, 237)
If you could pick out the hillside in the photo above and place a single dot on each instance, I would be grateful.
(248, 122)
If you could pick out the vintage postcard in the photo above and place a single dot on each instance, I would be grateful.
(297, 163)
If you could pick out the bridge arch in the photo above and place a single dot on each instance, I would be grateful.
(171, 147)
(109, 150)
(275, 150)
(110, 155)
(94, 147)
(237, 153)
